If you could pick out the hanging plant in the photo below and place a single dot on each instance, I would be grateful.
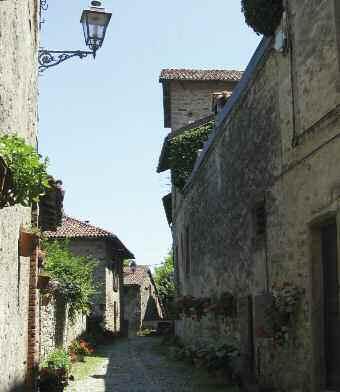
(225, 305)
(280, 314)
(29, 179)
(263, 16)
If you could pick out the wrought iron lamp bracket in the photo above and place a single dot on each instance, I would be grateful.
(43, 7)
(51, 58)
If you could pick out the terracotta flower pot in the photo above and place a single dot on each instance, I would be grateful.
(27, 243)
(43, 281)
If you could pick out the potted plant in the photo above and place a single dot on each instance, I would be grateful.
(79, 349)
(53, 374)
(29, 240)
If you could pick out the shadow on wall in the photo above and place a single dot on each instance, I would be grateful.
(60, 316)
(18, 387)
(151, 312)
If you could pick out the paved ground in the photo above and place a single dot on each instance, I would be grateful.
(135, 365)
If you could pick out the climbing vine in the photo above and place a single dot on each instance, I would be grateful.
(73, 276)
(183, 152)
(263, 16)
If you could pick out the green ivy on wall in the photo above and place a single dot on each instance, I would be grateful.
(183, 152)
(263, 16)
(73, 274)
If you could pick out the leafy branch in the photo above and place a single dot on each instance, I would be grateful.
(29, 178)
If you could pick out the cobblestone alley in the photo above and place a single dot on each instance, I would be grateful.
(135, 365)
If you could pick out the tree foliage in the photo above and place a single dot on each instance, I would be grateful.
(165, 283)
(74, 275)
(263, 15)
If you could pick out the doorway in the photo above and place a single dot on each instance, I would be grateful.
(331, 314)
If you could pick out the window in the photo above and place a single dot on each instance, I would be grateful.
(115, 277)
(176, 266)
(115, 315)
(259, 222)
(187, 252)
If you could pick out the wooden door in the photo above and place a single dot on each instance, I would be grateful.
(331, 306)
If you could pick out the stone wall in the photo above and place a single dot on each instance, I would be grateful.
(56, 328)
(107, 302)
(192, 100)
(141, 305)
(132, 308)
(278, 146)
(114, 307)
(150, 306)
(18, 114)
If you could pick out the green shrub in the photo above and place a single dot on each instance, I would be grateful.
(58, 359)
(263, 15)
(28, 171)
(74, 275)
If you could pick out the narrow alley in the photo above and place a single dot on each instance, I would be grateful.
(138, 365)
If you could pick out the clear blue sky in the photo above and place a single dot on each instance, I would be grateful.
(101, 122)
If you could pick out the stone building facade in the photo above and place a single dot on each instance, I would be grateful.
(56, 328)
(18, 114)
(142, 307)
(261, 208)
(90, 241)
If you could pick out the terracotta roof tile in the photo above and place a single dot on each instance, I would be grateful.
(73, 228)
(137, 277)
(200, 74)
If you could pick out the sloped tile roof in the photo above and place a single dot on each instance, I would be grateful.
(200, 74)
(137, 277)
(73, 228)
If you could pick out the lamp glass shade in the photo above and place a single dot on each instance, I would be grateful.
(95, 22)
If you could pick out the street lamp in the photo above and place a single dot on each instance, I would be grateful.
(95, 21)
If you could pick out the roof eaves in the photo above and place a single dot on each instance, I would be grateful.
(122, 250)
(163, 162)
(167, 204)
